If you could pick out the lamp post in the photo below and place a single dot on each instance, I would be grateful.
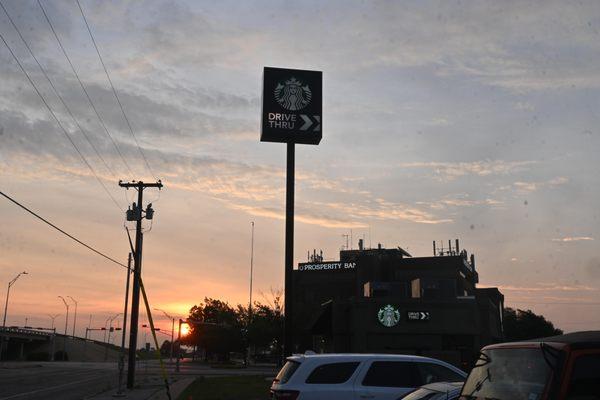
(74, 316)
(66, 326)
(172, 331)
(8, 293)
(53, 317)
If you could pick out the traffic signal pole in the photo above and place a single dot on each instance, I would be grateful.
(136, 215)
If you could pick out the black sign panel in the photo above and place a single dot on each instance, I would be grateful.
(417, 315)
(292, 106)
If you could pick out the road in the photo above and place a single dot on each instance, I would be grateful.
(75, 380)
(64, 381)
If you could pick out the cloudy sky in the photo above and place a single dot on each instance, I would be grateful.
(442, 120)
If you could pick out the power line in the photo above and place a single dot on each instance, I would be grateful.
(83, 88)
(56, 92)
(62, 231)
(59, 123)
(113, 90)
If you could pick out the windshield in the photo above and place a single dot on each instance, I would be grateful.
(508, 374)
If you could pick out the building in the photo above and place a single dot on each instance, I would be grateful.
(386, 301)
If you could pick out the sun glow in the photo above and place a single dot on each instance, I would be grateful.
(185, 329)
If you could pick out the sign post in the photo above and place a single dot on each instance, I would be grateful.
(291, 113)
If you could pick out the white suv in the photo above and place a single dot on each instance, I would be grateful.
(358, 376)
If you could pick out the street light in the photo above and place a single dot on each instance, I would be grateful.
(67, 318)
(53, 317)
(8, 293)
(172, 331)
(64, 353)
(75, 316)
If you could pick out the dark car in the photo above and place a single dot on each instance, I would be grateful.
(435, 391)
(564, 367)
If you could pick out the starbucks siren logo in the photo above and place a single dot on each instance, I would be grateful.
(388, 316)
(291, 95)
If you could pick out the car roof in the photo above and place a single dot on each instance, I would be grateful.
(575, 340)
(359, 356)
(580, 339)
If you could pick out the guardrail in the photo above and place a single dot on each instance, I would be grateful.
(24, 331)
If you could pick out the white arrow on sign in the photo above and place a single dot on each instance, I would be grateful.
(308, 122)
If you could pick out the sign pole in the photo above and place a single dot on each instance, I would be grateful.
(289, 251)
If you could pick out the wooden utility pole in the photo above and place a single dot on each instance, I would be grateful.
(135, 214)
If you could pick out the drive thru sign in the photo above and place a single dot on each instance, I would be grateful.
(292, 106)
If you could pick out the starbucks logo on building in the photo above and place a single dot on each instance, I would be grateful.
(388, 316)
(292, 94)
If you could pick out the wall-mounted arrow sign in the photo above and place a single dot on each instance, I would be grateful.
(418, 316)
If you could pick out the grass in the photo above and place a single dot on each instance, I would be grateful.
(228, 388)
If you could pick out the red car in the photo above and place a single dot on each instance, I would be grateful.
(565, 367)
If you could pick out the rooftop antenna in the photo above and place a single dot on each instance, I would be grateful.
(370, 246)
(346, 236)
(351, 240)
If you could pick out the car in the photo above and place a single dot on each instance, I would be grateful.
(435, 391)
(563, 367)
(357, 376)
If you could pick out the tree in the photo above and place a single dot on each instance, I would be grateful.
(217, 328)
(525, 324)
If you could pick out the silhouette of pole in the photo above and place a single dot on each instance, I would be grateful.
(66, 326)
(53, 317)
(136, 215)
(122, 356)
(8, 293)
(75, 315)
(172, 331)
(289, 251)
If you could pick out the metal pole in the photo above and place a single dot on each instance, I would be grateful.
(135, 296)
(7, 294)
(172, 336)
(75, 316)
(122, 357)
(178, 347)
(6, 306)
(251, 272)
(64, 353)
(289, 252)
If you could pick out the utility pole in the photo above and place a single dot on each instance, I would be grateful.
(122, 356)
(135, 214)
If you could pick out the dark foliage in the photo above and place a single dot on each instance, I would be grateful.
(525, 324)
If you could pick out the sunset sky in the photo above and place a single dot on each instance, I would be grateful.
(441, 120)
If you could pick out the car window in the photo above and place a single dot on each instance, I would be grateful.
(287, 371)
(332, 373)
(431, 372)
(585, 378)
(392, 374)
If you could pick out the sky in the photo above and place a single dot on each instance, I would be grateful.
(441, 120)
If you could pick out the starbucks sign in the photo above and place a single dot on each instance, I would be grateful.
(388, 316)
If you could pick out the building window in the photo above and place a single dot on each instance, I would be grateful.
(332, 373)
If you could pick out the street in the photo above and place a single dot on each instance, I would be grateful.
(71, 380)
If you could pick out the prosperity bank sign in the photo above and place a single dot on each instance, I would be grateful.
(292, 106)
(327, 266)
